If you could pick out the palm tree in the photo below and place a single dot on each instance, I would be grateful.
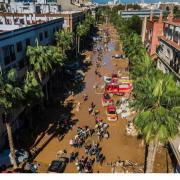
(64, 39)
(81, 31)
(10, 96)
(157, 121)
(39, 59)
(32, 92)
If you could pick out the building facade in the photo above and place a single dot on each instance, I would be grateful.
(153, 29)
(13, 45)
(141, 13)
(168, 51)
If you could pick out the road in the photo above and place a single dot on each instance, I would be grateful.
(119, 145)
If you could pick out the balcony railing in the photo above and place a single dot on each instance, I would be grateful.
(166, 61)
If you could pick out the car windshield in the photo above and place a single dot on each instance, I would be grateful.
(111, 112)
(106, 96)
(55, 165)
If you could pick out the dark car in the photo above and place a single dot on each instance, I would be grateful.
(73, 66)
(57, 166)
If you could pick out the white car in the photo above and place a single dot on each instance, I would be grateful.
(107, 79)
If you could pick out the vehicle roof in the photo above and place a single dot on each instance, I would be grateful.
(111, 108)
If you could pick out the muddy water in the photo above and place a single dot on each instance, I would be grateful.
(119, 145)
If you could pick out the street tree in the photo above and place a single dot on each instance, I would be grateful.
(11, 96)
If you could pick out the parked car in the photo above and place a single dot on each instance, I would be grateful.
(21, 155)
(107, 79)
(111, 113)
(73, 66)
(5, 157)
(107, 99)
(119, 56)
(57, 166)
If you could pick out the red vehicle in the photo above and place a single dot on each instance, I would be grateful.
(106, 99)
(111, 113)
(119, 89)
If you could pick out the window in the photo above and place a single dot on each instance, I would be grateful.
(40, 36)
(21, 64)
(19, 46)
(46, 34)
(176, 36)
(9, 54)
(28, 42)
(168, 53)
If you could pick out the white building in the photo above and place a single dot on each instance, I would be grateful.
(14, 39)
(40, 6)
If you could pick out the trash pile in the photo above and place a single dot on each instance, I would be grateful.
(122, 107)
(131, 130)
(126, 166)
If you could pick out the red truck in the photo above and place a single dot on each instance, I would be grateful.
(118, 89)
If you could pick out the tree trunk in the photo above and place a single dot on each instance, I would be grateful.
(152, 148)
(78, 43)
(11, 143)
(47, 94)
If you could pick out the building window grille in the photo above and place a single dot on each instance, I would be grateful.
(19, 46)
(9, 54)
(46, 34)
(176, 36)
(40, 36)
(28, 42)
(21, 64)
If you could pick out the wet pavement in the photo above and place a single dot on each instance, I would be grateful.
(119, 145)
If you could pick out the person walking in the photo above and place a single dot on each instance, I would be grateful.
(90, 110)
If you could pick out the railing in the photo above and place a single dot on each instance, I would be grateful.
(175, 150)
(166, 61)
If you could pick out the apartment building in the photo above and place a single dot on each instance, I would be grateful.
(168, 60)
(14, 39)
(168, 51)
(153, 29)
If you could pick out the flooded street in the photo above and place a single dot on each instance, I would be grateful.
(119, 145)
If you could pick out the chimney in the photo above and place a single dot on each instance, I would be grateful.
(151, 16)
(160, 17)
(170, 16)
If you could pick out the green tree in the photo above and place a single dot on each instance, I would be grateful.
(157, 102)
(11, 95)
(81, 30)
(39, 59)
(64, 39)
(32, 93)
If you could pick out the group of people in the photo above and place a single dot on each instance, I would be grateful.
(81, 136)
(93, 110)
(101, 129)
(84, 165)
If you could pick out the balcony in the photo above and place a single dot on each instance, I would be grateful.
(165, 60)
(175, 145)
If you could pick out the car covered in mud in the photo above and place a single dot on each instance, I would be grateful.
(107, 99)
(111, 113)
(57, 166)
